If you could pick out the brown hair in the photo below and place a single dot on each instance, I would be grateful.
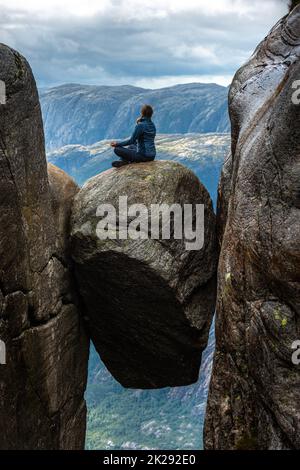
(147, 111)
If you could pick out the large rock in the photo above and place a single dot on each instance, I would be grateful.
(149, 303)
(43, 381)
(63, 190)
(255, 390)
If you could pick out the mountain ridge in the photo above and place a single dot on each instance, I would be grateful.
(85, 114)
(202, 153)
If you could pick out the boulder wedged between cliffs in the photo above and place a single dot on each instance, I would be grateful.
(148, 302)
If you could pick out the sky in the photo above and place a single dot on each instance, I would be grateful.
(147, 43)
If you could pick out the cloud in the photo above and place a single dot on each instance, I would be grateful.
(138, 42)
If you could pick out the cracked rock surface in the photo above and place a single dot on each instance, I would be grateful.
(149, 303)
(254, 399)
(43, 381)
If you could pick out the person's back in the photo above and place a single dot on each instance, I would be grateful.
(144, 136)
(146, 139)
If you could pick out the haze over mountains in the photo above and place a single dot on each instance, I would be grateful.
(85, 114)
(202, 153)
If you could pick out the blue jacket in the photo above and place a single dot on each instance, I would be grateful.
(144, 134)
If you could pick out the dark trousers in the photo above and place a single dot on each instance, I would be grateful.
(131, 155)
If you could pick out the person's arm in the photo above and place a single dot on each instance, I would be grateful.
(132, 140)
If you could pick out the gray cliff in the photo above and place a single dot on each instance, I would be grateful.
(255, 389)
(43, 381)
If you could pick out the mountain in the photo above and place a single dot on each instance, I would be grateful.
(202, 153)
(85, 114)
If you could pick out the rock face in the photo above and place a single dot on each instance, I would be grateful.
(255, 390)
(150, 319)
(44, 378)
(63, 190)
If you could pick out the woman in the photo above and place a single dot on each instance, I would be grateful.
(144, 136)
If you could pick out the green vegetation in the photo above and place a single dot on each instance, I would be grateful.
(141, 419)
(277, 313)
(280, 318)
(228, 284)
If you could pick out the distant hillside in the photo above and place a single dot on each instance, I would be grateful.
(84, 114)
(202, 153)
(170, 418)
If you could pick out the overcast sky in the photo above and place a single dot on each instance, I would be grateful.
(149, 43)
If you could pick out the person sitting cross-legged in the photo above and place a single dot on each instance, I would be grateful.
(143, 136)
